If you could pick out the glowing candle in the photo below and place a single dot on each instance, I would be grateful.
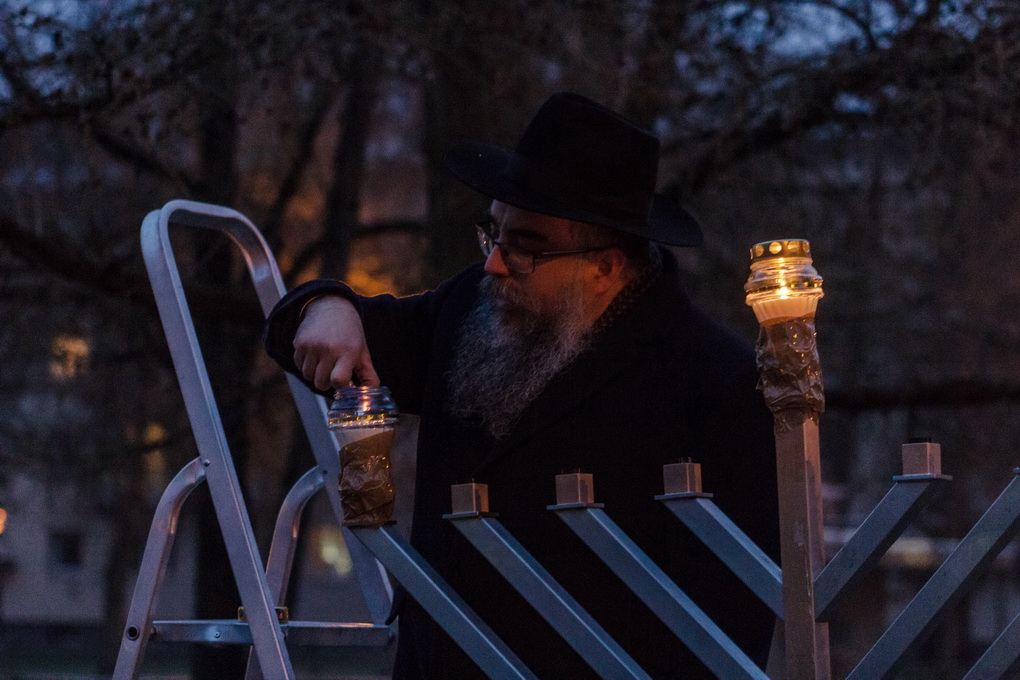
(783, 284)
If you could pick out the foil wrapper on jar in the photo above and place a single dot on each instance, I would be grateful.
(789, 372)
(364, 419)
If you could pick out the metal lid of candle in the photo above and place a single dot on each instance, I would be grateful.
(363, 406)
(794, 247)
(782, 265)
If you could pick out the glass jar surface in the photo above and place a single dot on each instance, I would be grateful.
(357, 406)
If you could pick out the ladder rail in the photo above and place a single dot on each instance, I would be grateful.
(284, 545)
(200, 403)
(158, 545)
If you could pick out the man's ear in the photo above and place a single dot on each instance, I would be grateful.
(611, 268)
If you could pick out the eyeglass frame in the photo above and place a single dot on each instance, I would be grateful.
(488, 244)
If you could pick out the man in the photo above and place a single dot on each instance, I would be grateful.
(572, 347)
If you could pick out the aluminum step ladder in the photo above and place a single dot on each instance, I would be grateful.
(262, 593)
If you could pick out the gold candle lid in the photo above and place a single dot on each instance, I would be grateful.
(794, 247)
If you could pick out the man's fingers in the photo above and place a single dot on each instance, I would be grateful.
(365, 369)
(307, 367)
(322, 377)
(340, 376)
(329, 345)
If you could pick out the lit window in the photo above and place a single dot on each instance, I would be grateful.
(154, 460)
(69, 355)
(3, 520)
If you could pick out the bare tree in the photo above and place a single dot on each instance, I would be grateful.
(882, 130)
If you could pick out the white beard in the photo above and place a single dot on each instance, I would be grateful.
(506, 355)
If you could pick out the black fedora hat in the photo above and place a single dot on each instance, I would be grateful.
(580, 161)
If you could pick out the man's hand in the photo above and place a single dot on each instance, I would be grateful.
(330, 347)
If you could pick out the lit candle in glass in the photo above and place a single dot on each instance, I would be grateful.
(783, 284)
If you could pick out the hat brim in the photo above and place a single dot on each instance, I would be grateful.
(481, 167)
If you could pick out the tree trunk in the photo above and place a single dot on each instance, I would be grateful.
(479, 95)
(344, 200)
(228, 357)
(130, 514)
(454, 112)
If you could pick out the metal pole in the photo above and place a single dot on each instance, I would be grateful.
(1002, 656)
(472, 518)
(666, 600)
(802, 545)
(446, 607)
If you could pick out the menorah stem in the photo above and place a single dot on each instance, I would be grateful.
(802, 537)
(790, 379)
(783, 289)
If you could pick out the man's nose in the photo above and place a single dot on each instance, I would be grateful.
(495, 265)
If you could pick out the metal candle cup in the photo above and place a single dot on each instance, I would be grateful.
(364, 419)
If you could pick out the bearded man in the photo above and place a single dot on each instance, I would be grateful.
(574, 347)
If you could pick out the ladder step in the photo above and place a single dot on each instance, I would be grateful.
(301, 633)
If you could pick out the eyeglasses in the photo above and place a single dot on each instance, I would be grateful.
(519, 260)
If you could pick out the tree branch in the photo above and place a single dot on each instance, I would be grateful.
(141, 159)
(809, 102)
(29, 105)
(67, 260)
(322, 100)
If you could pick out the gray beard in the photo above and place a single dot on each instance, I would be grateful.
(506, 357)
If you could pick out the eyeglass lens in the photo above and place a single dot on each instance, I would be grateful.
(516, 260)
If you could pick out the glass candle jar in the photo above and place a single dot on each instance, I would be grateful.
(364, 419)
(783, 284)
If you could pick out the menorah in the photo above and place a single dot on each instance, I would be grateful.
(783, 290)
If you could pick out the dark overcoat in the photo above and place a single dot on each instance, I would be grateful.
(661, 382)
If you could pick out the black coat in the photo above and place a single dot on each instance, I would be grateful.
(662, 382)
